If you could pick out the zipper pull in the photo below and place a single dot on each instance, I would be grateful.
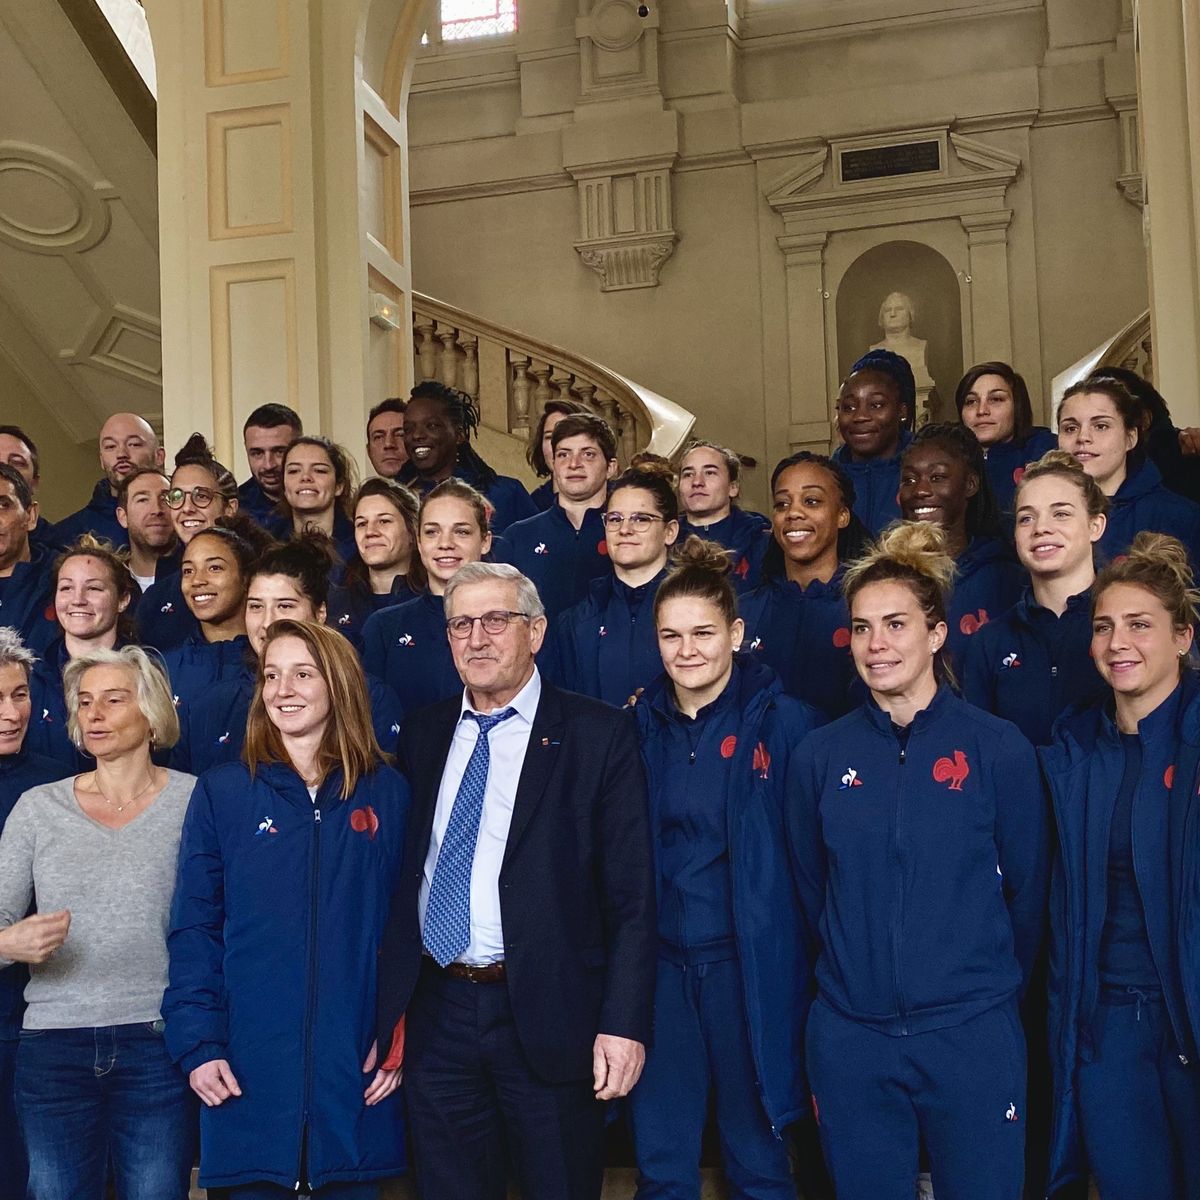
(903, 752)
(692, 757)
(317, 815)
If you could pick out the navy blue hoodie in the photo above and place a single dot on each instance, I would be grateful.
(741, 775)
(406, 646)
(1084, 766)
(18, 773)
(47, 733)
(561, 560)
(254, 503)
(163, 618)
(876, 485)
(196, 665)
(509, 500)
(804, 634)
(1029, 665)
(924, 863)
(278, 916)
(1006, 463)
(988, 581)
(26, 602)
(607, 647)
(98, 516)
(1144, 502)
(746, 535)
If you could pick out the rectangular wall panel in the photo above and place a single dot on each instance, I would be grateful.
(250, 171)
(245, 41)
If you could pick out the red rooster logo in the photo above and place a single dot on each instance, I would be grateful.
(972, 623)
(762, 760)
(364, 820)
(952, 771)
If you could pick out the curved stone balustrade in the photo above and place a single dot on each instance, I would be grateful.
(1131, 349)
(511, 375)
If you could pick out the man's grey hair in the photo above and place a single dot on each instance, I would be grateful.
(528, 599)
(14, 652)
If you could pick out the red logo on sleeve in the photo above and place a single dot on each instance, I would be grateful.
(1169, 777)
(602, 547)
(743, 568)
(728, 746)
(364, 820)
(973, 622)
(1018, 474)
(841, 638)
(952, 771)
(762, 760)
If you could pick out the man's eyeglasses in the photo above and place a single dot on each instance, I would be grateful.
(640, 521)
(202, 497)
(492, 622)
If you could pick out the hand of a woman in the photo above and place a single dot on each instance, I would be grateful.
(214, 1082)
(384, 1083)
(35, 938)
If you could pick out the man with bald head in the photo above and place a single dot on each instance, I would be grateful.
(126, 443)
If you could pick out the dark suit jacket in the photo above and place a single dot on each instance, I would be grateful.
(576, 884)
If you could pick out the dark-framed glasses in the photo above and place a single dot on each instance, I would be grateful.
(640, 521)
(202, 497)
(492, 622)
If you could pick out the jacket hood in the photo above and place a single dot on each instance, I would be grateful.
(1145, 479)
(981, 552)
(841, 456)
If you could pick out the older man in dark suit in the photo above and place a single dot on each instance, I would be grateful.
(522, 943)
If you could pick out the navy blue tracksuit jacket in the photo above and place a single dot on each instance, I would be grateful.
(1006, 463)
(47, 733)
(804, 635)
(1029, 665)
(739, 772)
(1083, 768)
(26, 602)
(509, 500)
(194, 667)
(254, 503)
(924, 864)
(607, 647)
(561, 560)
(276, 925)
(1144, 502)
(988, 581)
(163, 618)
(98, 516)
(406, 647)
(876, 485)
(746, 535)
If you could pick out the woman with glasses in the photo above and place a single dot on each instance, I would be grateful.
(606, 646)
(386, 569)
(287, 867)
(202, 492)
(288, 581)
(94, 596)
(319, 481)
(405, 646)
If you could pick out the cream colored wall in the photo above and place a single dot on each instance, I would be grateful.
(496, 210)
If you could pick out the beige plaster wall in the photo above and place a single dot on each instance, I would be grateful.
(713, 334)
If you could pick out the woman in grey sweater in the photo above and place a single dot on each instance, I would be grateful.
(93, 1080)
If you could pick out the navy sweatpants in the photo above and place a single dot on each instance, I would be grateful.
(701, 1046)
(1139, 1106)
(958, 1091)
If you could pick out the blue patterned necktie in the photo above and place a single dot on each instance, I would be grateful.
(447, 930)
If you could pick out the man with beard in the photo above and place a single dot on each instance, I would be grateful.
(126, 443)
(268, 432)
(143, 513)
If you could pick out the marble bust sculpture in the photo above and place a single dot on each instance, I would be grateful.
(897, 315)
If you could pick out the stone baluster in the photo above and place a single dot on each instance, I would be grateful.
(586, 393)
(562, 382)
(629, 436)
(448, 336)
(541, 393)
(520, 390)
(608, 409)
(470, 364)
(427, 348)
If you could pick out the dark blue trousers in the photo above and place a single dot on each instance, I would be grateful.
(12, 1148)
(477, 1111)
(959, 1091)
(88, 1097)
(701, 1046)
(1139, 1106)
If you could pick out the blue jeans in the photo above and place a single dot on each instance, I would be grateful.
(12, 1149)
(86, 1096)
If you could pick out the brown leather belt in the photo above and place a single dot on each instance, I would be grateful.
(491, 973)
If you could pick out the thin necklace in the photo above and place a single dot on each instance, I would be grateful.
(122, 807)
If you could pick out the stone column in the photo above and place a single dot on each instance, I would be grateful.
(808, 419)
(987, 278)
(282, 206)
(1168, 42)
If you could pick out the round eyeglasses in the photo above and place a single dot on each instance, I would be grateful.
(202, 497)
(492, 622)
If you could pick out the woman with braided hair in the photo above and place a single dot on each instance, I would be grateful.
(439, 423)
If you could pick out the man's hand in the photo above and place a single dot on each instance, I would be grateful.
(617, 1064)
(35, 938)
(214, 1082)
(384, 1083)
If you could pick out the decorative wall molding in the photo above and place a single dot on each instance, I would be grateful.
(618, 53)
(74, 213)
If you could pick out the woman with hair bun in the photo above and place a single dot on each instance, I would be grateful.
(924, 859)
(288, 581)
(993, 403)
(797, 620)
(944, 480)
(1101, 423)
(606, 646)
(1125, 902)
(718, 736)
(1031, 663)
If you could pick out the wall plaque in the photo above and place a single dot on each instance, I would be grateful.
(878, 162)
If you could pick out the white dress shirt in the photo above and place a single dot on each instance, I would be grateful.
(509, 740)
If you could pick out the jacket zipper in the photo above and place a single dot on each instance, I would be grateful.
(898, 918)
(311, 1005)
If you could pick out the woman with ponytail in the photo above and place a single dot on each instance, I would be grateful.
(797, 620)
(944, 481)
(1033, 662)
(718, 735)
(923, 866)
(1125, 902)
